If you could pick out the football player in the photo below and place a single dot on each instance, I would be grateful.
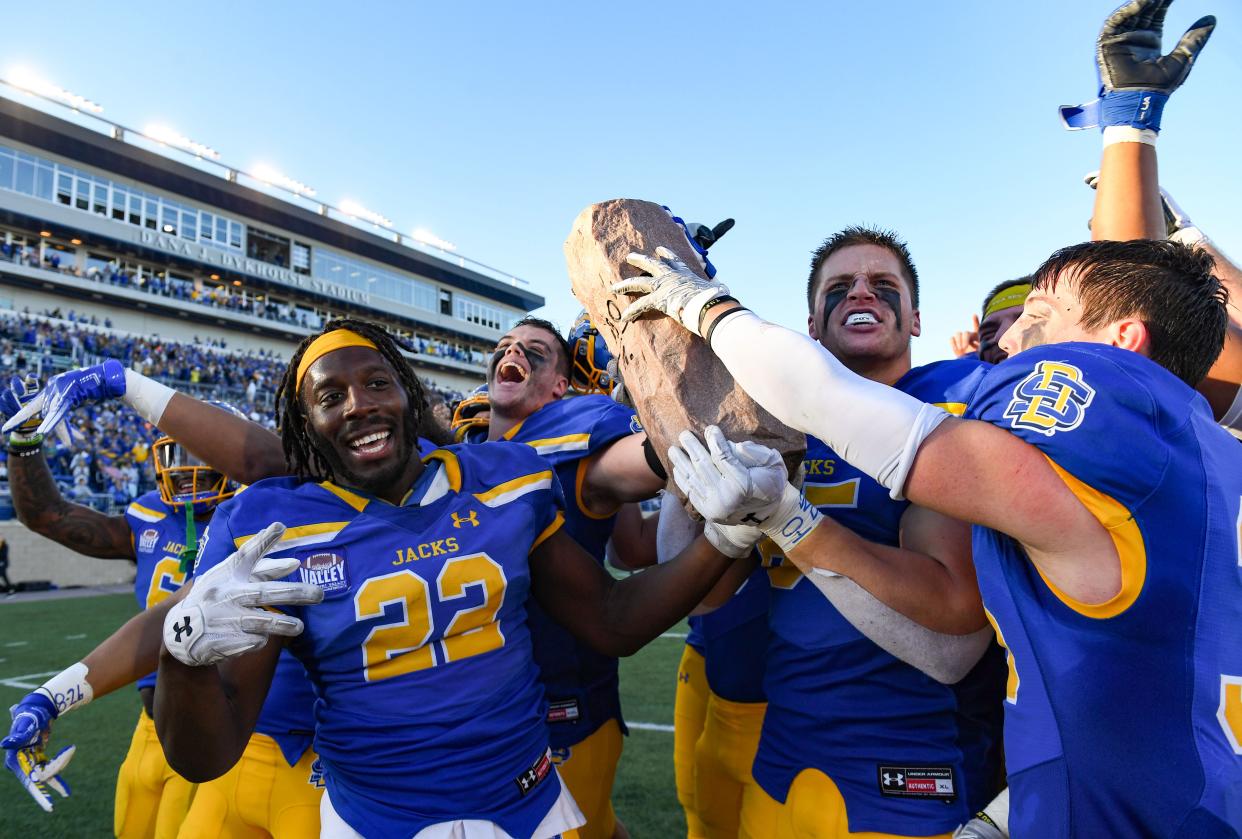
(420, 647)
(1105, 496)
(470, 416)
(834, 693)
(159, 531)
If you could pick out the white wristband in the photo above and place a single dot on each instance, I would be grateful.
(68, 689)
(1129, 134)
(1190, 236)
(146, 396)
(792, 521)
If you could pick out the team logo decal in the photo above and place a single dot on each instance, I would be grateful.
(1053, 398)
(471, 518)
(326, 570)
(316, 778)
(636, 425)
(146, 542)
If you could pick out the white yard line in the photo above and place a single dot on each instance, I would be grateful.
(649, 726)
(30, 681)
(674, 635)
(74, 637)
(17, 643)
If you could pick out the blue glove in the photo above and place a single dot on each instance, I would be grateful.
(1135, 79)
(12, 399)
(24, 753)
(67, 390)
(701, 238)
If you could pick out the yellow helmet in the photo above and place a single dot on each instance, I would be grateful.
(184, 479)
(590, 357)
(472, 412)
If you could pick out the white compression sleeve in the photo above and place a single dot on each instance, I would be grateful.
(946, 658)
(872, 426)
(675, 530)
(146, 396)
(1232, 419)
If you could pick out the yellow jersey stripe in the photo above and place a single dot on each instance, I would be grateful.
(452, 468)
(556, 525)
(1127, 539)
(351, 498)
(140, 512)
(512, 490)
(566, 443)
(839, 494)
(954, 408)
(303, 534)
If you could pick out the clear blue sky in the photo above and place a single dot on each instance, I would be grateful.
(494, 123)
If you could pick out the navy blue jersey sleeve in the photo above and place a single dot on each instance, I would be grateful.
(217, 542)
(1089, 409)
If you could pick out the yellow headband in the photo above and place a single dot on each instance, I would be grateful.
(337, 339)
(1014, 295)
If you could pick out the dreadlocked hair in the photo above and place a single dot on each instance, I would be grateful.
(303, 458)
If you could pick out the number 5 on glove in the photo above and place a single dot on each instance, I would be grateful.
(223, 615)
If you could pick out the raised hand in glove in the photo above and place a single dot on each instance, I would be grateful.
(65, 391)
(1135, 79)
(223, 615)
(672, 289)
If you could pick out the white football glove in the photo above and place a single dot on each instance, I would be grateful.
(222, 616)
(733, 540)
(991, 823)
(672, 288)
(728, 483)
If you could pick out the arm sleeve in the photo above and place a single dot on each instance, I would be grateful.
(873, 426)
(946, 658)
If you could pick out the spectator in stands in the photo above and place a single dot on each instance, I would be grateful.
(5, 584)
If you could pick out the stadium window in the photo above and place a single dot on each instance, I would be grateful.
(235, 235)
(189, 225)
(44, 177)
(81, 193)
(119, 198)
(151, 215)
(135, 210)
(100, 206)
(6, 169)
(64, 189)
(168, 220)
(301, 258)
(446, 303)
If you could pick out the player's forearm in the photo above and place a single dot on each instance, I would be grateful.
(131, 652)
(1231, 278)
(914, 584)
(201, 732)
(1127, 198)
(618, 475)
(637, 609)
(41, 507)
(236, 447)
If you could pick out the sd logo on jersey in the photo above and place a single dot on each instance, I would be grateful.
(326, 570)
(1053, 398)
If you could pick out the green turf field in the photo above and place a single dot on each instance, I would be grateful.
(40, 638)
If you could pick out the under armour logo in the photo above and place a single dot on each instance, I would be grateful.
(472, 519)
(683, 676)
(751, 518)
(894, 780)
(179, 628)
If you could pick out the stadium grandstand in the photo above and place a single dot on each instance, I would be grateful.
(143, 247)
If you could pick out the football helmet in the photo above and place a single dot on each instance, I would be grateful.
(472, 412)
(590, 357)
(184, 479)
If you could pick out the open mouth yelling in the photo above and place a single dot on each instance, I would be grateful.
(510, 372)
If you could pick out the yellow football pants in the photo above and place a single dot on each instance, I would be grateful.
(813, 809)
(724, 785)
(261, 796)
(151, 799)
(689, 714)
(588, 772)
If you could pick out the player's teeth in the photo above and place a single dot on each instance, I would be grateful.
(511, 366)
(370, 438)
(860, 317)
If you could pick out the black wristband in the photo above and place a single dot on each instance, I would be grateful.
(23, 451)
(711, 303)
(653, 460)
(717, 322)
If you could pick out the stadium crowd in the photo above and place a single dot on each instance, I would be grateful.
(1040, 535)
(141, 278)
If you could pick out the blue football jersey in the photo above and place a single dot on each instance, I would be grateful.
(429, 703)
(694, 637)
(906, 754)
(159, 537)
(581, 684)
(1123, 718)
(735, 641)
